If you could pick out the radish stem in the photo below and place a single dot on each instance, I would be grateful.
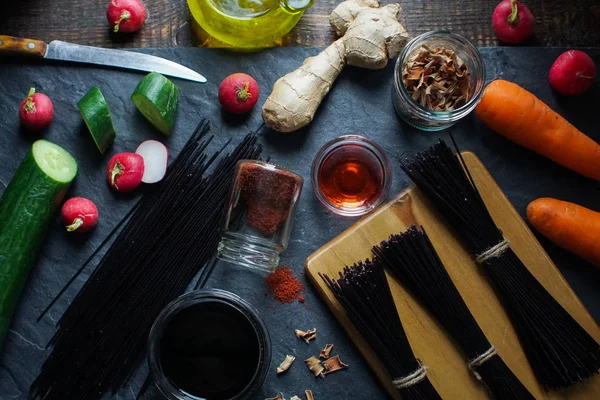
(513, 17)
(77, 222)
(114, 172)
(125, 15)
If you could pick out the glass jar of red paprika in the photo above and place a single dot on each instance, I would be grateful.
(258, 220)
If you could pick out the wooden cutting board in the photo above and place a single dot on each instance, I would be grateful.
(447, 364)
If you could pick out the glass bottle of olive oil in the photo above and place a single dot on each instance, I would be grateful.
(248, 23)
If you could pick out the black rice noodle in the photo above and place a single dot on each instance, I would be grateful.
(559, 350)
(167, 240)
(364, 292)
(413, 260)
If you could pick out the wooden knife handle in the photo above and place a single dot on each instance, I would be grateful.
(19, 46)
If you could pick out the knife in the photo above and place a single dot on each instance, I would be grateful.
(63, 51)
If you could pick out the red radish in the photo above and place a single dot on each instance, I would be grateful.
(238, 93)
(79, 214)
(156, 156)
(126, 15)
(513, 22)
(572, 73)
(125, 171)
(36, 111)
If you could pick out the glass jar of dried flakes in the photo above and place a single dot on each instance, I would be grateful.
(438, 79)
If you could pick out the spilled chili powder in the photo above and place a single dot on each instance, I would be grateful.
(269, 195)
(283, 285)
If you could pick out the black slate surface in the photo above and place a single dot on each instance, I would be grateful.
(360, 104)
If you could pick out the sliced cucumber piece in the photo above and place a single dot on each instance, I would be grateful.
(156, 97)
(95, 113)
(54, 161)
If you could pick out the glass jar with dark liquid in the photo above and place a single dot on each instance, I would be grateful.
(209, 345)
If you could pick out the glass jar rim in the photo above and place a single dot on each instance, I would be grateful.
(164, 384)
(425, 112)
(379, 154)
(271, 166)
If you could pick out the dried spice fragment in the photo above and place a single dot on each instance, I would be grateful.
(437, 79)
(326, 351)
(334, 364)
(309, 395)
(315, 366)
(278, 397)
(308, 335)
(286, 364)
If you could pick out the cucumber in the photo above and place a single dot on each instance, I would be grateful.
(27, 207)
(156, 98)
(95, 113)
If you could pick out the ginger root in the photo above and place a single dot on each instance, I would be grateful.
(370, 36)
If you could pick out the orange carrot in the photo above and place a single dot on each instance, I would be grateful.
(572, 227)
(518, 115)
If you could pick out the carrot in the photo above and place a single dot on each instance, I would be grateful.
(570, 226)
(518, 115)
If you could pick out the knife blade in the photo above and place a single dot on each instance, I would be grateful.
(63, 51)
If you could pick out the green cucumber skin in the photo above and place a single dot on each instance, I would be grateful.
(27, 207)
(96, 115)
(163, 94)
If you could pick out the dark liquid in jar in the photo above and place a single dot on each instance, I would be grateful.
(351, 176)
(210, 350)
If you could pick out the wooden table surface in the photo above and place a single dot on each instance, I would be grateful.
(558, 22)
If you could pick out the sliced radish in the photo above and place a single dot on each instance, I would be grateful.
(155, 156)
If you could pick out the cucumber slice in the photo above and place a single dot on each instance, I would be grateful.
(95, 113)
(27, 207)
(156, 97)
(54, 161)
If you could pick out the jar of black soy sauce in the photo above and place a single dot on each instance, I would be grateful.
(209, 344)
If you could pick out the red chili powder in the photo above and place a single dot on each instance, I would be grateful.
(269, 195)
(283, 284)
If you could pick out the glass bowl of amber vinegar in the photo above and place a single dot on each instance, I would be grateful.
(351, 175)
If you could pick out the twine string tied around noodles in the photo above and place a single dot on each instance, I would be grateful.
(494, 251)
(479, 360)
(413, 378)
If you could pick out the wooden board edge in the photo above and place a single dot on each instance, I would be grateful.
(363, 347)
(382, 208)
(534, 239)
